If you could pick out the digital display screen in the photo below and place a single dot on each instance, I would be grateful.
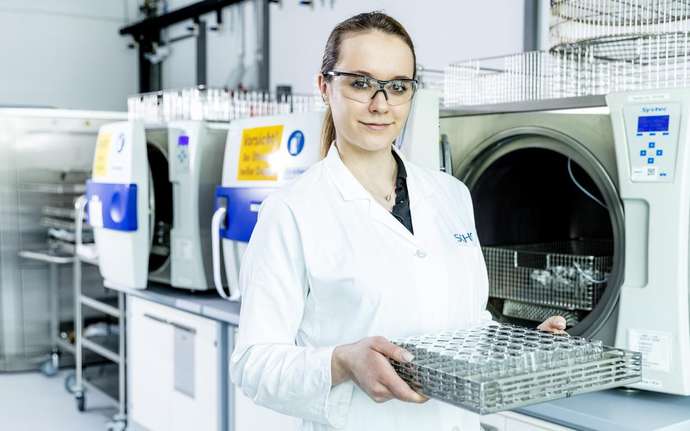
(653, 123)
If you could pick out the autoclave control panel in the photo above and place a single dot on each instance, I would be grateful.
(652, 136)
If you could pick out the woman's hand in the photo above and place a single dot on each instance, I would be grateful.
(555, 324)
(366, 363)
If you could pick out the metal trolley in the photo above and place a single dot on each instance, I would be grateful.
(115, 354)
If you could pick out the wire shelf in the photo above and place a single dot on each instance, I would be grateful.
(570, 275)
(495, 368)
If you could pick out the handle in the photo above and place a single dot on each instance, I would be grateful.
(79, 209)
(446, 157)
(155, 318)
(216, 221)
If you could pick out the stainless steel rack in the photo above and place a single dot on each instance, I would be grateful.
(500, 367)
(117, 353)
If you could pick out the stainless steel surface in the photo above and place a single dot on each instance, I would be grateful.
(516, 166)
(45, 156)
(496, 368)
(592, 101)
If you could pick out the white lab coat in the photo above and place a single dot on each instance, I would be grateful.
(327, 265)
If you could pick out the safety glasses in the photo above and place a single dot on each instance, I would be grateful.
(363, 89)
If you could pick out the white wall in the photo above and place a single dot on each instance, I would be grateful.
(69, 54)
(226, 66)
(443, 31)
(66, 53)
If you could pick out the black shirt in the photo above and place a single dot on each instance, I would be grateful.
(401, 209)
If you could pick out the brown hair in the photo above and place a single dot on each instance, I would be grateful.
(363, 22)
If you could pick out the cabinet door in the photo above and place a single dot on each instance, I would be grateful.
(519, 422)
(150, 347)
(494, 422)
(251, 417)
(174, 368)
(195, 398)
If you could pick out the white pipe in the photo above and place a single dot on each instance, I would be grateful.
(216, 221)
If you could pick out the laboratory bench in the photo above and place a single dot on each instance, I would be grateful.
(610, 410)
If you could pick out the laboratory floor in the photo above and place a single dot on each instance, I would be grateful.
(34, 402)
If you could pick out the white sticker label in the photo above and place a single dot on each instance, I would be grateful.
(655, 347)
(648, 97)
(652, 384)
(95, 212)
(183, 249)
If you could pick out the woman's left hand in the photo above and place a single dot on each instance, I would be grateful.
(555, 324)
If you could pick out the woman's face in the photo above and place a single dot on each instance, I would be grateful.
(374, 125)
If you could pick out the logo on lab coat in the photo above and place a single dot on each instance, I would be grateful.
(466, 238)
(295, 143)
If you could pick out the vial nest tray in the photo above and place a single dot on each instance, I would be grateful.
(501, 367)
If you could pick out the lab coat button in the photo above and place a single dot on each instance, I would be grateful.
(421, 253)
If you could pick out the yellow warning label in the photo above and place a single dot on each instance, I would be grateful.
(100, 159)
(258, 144)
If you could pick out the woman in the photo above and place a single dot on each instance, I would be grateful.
(363, 247)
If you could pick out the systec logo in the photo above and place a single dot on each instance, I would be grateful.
(295, 143)
(647, 110)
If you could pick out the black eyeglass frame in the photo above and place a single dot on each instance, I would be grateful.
(381, 82)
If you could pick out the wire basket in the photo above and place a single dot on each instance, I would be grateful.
(495, 368)
(538, 313)
(570, 275)
(597, 47)
(575, 21)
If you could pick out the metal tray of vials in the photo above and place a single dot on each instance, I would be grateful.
(501, 367)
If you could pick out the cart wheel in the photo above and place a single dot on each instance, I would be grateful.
(48, 368)
(70, 382)
(116, 425)
(81, 401)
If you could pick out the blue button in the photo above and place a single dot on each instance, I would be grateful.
(652, 134)
(663, 174)
(650, 161)
(639, 134)
(659, 152)
(643, 153)
(665, 133)
(652, 144)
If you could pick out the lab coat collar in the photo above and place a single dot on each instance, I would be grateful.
(350, 189)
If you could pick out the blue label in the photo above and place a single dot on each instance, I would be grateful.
(118, 203)
(242, 209)
(295, 143)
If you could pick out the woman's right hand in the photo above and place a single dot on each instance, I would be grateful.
(366, 363)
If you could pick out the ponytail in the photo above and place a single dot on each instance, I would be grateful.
(327, 133)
